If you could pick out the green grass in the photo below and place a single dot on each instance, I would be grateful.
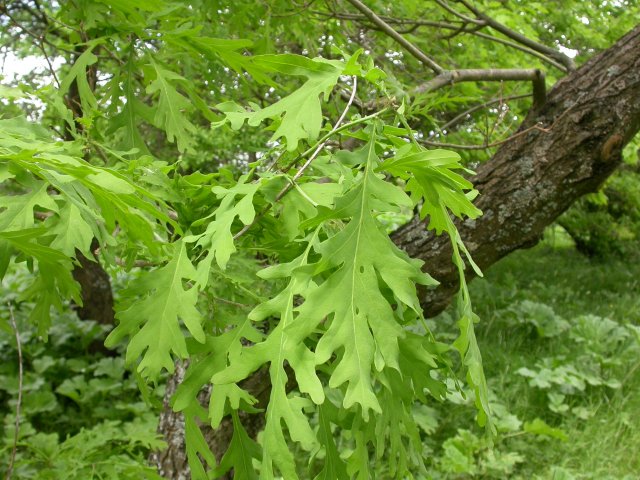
(559, 281)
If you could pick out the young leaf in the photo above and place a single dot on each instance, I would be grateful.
(334, 467)
(218, 238)
(300, 113)
(432, 178)
(18, 210)
(156, 304)
(170, 111)
(240, 454)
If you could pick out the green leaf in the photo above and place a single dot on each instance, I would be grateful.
(72, 232)
(172, 107)
(11, 92)
(283, 344)
(156, 304)
(240, 454)
(300, 113)
(54, 281)
(432, 178)
(334, 467)
(363, 325)
(19, 210)
(132, 111)
(196, 445)
(539, 427)
(301, 204)
(363, 275)
(78, 73)
(218, 238)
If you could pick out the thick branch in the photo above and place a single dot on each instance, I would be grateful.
(590, 115)
(450, 77)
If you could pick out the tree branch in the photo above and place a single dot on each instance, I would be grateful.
(461, 16)
(458, 29)
(449, 77)
(518, 37)
(535, 177)
(386, 28)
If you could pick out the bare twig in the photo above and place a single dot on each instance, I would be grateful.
(461, 28)
(486, 145)
(300, 9)
(390, 20)
(232, 303)
(333, 130)
(16, 432)
(522, 48)
(386, 28)
(40, 41)
(461, 16)
(458, 118)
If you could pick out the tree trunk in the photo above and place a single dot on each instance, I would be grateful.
(589, 116)
(172, 462)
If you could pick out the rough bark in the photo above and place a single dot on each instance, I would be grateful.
(172, 461)
(590, 116)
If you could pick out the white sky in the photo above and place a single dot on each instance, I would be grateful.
(12, 66)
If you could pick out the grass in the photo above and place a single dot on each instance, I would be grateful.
(562, 285)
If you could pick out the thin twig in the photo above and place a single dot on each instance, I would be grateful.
(461, 16)
(486, 145)
(518, 37)
(461, 28)
(40, 41)
(333, 130)
(304, 167)
(325, 138)
(480, 106)
(388, 29)
(522, 48)
(294, 12)
(392, 20)
(16, 432)
(231, 302)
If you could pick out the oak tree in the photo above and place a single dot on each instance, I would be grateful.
(243, 164)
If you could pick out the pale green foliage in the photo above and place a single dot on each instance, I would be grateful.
(299, 114)
(342, 317)
(151, 320)
(171, 112)
(217, 239)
